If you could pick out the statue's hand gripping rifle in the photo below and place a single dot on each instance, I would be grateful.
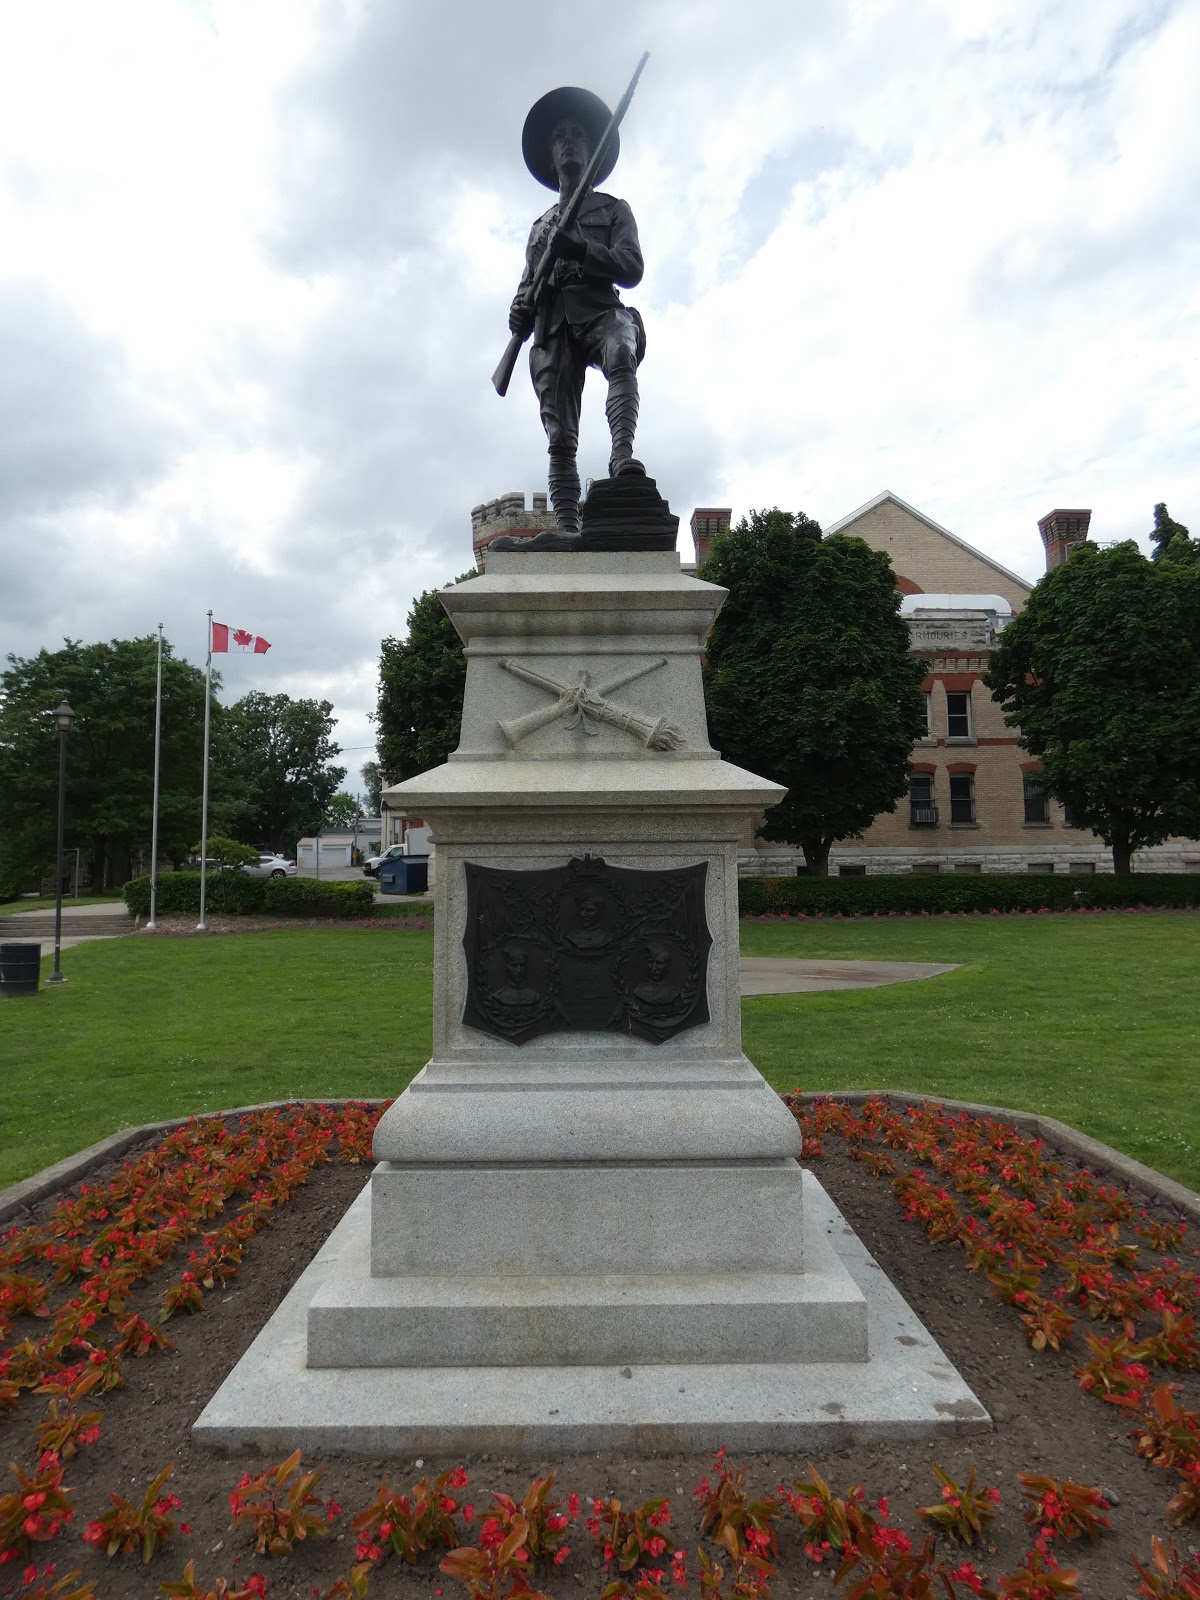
(502, 376)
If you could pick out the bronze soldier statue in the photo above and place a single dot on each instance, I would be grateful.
(579, 321)
(579, 253)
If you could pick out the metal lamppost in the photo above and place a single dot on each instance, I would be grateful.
(64, 721)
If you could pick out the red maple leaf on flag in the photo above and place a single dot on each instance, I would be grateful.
(241, 638)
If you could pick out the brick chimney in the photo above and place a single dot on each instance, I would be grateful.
(707, 523)
(1061, 531)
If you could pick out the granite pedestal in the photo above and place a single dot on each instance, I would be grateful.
(584, 1201)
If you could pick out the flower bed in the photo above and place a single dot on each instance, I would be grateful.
(1067, 1302)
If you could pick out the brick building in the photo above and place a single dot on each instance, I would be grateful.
(973, 804)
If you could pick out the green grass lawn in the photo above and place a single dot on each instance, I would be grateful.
(1092, 1019)
(150, 1028)
(1095, 1020)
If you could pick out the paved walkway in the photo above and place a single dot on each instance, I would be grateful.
(79, 923)
(776, 975)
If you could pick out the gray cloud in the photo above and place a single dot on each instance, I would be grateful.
(72, 425)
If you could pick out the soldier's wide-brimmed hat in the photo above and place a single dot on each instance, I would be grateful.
(582, 106)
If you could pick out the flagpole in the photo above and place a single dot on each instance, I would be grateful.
(154, 803)
(202, 926)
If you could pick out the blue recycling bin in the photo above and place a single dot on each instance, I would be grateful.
(404, 875)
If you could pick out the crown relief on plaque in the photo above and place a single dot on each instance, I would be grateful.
(580, 703)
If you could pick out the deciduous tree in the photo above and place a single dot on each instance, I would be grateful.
(225, 852)
(1101, 673)
(1171, 540)
(808, 679)
(342, 811)
(372, 777)
(421, 680)
(110, 756)
(280, 750)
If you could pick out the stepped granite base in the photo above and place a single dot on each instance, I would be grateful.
(273, 1401)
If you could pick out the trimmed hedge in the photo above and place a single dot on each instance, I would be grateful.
(961, 891)
(231, 893)
(238, 894)
(311, 897)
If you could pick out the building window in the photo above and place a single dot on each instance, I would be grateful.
(925, 869)
(1036, 808)
(922, 811)
(967, 866)
(1040, 866)
(852, 872)
(1069, 817)
(958, 714)
(962, 797)
(1082, 866)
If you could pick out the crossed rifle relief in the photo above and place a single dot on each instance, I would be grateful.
(580, 705)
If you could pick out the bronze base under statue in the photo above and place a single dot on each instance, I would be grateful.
(621, 513)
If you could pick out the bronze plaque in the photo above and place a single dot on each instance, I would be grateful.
(586, 948)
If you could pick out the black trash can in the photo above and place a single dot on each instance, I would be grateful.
(404, 875)
(20, 969)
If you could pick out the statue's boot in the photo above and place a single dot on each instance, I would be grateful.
(564, 489)
(564, 497)
(621, 410)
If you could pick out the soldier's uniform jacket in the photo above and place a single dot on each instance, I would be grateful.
(580, 291)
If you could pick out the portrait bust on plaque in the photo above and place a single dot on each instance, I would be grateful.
(586, 947)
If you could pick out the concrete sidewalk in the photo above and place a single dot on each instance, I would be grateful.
(776, 975)
(80, 922)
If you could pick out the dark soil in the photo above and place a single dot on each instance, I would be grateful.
(1043, 1424)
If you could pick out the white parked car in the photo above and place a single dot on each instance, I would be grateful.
(272, 866)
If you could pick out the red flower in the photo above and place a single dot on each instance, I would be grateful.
(965, 1573)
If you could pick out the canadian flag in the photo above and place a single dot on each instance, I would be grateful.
(248, 642)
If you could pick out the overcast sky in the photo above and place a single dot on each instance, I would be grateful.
(258, 254)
